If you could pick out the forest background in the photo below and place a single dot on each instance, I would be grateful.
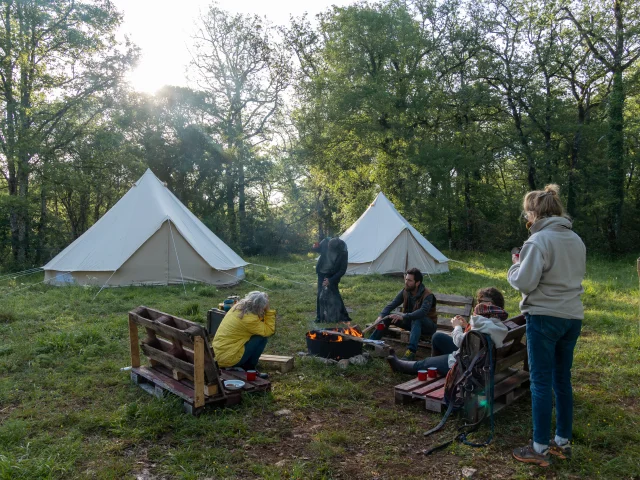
(453, 108)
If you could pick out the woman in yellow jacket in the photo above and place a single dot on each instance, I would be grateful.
(244, 331)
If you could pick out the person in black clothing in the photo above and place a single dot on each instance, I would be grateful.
(418, 312)
(331, 266)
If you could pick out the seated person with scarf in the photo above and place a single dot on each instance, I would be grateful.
(487, 317)
(418, 312)
(331, 267)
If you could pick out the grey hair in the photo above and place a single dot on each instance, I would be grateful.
(254, 302)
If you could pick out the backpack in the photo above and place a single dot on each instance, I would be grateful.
(472, 374)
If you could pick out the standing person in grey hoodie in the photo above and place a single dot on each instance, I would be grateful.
(549, 272)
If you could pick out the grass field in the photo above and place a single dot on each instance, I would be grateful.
(67, 411)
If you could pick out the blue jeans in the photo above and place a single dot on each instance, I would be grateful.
(441, 346)
(441, 362)
(417, 327)
(550, 345)
(442, 343)
(252, 351)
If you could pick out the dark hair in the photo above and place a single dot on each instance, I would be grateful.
(490, 294)
(417, 274)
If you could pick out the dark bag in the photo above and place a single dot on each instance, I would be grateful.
(472, 374)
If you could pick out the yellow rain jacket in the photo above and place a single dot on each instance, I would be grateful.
(234, 332)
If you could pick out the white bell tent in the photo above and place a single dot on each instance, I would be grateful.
(383, 241)
(148, 238)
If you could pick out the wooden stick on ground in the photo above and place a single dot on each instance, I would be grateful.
(351, 337)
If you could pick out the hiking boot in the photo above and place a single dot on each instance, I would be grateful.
(563, 452)
(529, 455)
(398, 365)
(409, 356)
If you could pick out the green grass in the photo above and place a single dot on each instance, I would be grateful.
(67, 411)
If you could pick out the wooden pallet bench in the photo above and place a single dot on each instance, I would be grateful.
(181, 361)
(509, 383)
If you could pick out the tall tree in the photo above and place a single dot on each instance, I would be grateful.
(242, 68)
(611, 30)
(57, 59)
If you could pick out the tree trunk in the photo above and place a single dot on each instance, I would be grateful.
(616, 159)
(573, 163)
(39, 259)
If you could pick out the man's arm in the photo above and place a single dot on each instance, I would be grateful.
(423, 311)
(342, 269)
(320, 247)
(393, 304)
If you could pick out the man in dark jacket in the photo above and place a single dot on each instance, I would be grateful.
(331, 266)
(418, 312)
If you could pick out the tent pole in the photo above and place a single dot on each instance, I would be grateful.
(176, 250)
(105, 284)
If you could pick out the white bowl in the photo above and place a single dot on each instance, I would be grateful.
(233, 384)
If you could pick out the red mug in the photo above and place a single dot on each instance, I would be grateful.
(380, 326)
(432, 372)
(251, 375)
(422, 375)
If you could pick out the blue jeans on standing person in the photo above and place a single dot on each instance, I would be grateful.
(417, 327)
(252, 351)
(550, 345)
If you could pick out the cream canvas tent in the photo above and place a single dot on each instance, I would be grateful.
(382, 241)
(148, 238)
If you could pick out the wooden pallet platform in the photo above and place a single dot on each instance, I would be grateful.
(282, 363)
(510, 386)
(417, 390)
(159, 383)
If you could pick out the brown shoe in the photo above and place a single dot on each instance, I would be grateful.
(563, 452)
(529, 455)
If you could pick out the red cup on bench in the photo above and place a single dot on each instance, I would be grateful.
(432, 372)
(251, 375)
(422, 375)
(380, 326)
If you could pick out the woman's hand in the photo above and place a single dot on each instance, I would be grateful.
(458, 321)
(515, 258)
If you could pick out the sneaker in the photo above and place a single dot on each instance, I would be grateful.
(529, 455)
(409, 355)
(563, 452)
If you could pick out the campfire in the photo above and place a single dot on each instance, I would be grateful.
(327, 337)
(335, 343)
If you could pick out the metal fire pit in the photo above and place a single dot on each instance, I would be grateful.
(325, 345)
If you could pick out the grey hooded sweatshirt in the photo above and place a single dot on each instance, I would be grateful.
(551, 268)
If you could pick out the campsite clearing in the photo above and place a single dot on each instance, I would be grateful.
(67, 411)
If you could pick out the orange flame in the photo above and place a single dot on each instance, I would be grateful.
(314, 335)
(353, 332)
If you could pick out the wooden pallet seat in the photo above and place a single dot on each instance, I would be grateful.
(181, 361)
(509, 383)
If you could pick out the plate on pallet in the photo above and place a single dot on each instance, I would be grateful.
(233, 384)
